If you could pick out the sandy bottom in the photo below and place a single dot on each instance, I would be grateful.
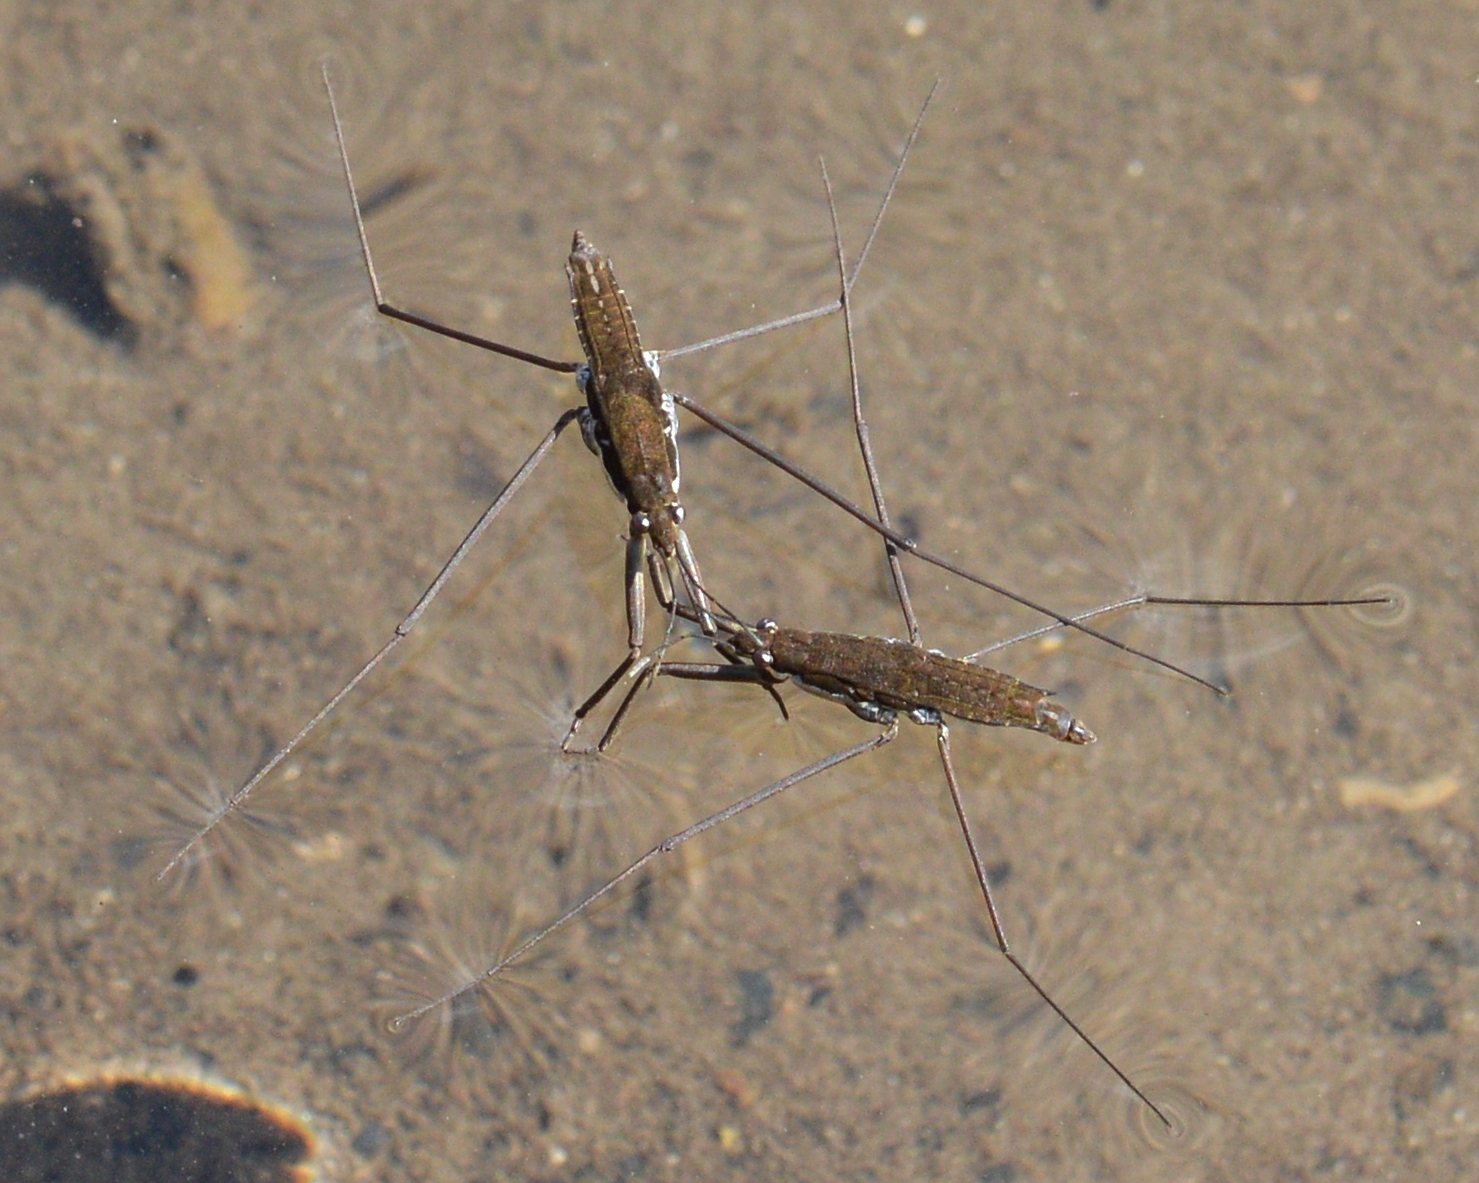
(1186, 305)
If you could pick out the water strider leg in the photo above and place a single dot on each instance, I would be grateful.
(735, 671)
(693, 581)
(642, 671)
(666, 846)
(387, 309)
(860, 424)
(402, 630)
(640, 554)
(942, 730)
(622, 668)
(978, 865)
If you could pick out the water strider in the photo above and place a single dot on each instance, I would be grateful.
(629, 420)
(877, 679)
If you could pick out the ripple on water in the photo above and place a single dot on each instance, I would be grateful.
(1357, 572)
(1189, 1118)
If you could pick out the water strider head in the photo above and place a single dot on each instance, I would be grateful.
(662, 526)
(743, 644)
